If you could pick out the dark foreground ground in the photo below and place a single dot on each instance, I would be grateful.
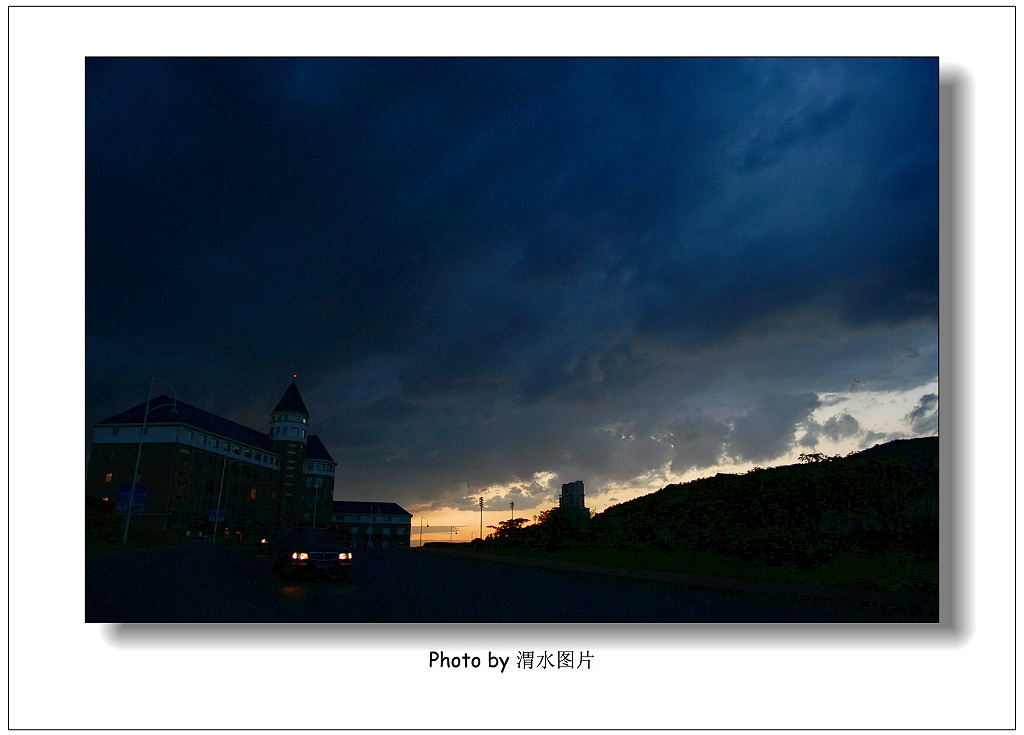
(193, 584)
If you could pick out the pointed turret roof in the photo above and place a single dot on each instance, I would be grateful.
(291, 401)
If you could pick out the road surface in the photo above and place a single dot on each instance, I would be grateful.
(192, 584)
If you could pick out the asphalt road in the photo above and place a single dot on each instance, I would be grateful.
(193, 584)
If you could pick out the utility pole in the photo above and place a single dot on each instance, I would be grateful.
(481, 519)
(513, 506)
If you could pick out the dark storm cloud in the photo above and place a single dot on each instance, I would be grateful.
(699, 441)
(924, 418)
(877, 437)
(486, 268)
(767, 430)
(835, 428)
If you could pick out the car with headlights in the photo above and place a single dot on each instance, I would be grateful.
(311, 552)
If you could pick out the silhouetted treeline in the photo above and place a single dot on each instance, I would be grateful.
(881, 499)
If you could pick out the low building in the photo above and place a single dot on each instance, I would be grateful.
(372, 525)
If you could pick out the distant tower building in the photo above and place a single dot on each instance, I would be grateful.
(572, 497)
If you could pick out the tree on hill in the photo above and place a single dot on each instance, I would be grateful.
(816, 457)
(510, 530)
(556, 527)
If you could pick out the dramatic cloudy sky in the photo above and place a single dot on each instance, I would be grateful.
(493, 276)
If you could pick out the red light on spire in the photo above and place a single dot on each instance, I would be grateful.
(295, 376)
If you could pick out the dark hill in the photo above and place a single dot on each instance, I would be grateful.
(880, 499)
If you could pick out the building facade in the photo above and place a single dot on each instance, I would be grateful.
(572, 497)
(372, 525)
(196, 468)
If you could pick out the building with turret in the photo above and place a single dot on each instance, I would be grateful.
(196, 468)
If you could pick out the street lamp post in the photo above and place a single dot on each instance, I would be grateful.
(421, 530)
(513, 507)
(220, 494)
(316, 500)
(138, 455)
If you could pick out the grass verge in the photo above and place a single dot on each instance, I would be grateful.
(895, 571)
(141, 540)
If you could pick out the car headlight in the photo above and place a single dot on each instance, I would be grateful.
(345, 555)
(300, 555)
(263, 541)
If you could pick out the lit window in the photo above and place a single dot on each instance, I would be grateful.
(303, 433)
(110, 477)
(252, 493)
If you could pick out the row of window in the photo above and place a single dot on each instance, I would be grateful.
(287, 431)
(372, 519)
(212, 442)
(318, 467)
(223, 445)
(369, 531)
(282, 417)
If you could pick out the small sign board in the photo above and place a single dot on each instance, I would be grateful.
(138, 502)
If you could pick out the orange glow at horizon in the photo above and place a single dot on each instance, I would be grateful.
(462, 526)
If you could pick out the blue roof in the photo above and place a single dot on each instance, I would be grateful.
(164, 410)
(291, 401)
(167, 411)
(370, 506)
(315, 449)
